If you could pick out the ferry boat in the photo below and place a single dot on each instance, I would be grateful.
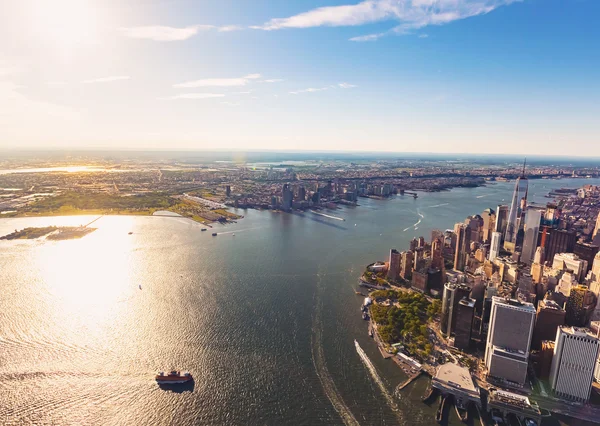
(174, 377)
(203, 229)
(214, 234)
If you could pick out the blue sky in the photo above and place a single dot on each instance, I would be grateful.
(497, 76)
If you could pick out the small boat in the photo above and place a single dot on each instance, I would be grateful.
(365, 316)
(214, 234)
(140, 286)
(370, 332)
(203, 229)
(130, 232)
(174, 377)
(233, 235)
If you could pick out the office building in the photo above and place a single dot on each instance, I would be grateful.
(579, 306)
(301, 193)
(407, 265)
(464, 323)
(551, 215)
(573, 364)
(501, 219)
(453, 294)
(394, 268)
(286, 197)
(518, 203)
(495, 245)
(509, 340)
(558, 241)
(414, 243)
(489, 224)
(570, 262)
(586, 252)
(550, 315)
(462, 244)
(437, 261)
(533, 219)
(594, 274)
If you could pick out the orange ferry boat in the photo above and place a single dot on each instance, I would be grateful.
(174, 377)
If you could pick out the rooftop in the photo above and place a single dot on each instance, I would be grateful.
(455, 376)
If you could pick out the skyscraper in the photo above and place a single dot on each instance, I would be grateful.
(495, 245)
(532, 230)
(453, 294)
(489, 224)
(549, 317)
(394, 268)
(464, 323)
(509, 339)
(573, 363)
(407, 264)
(558, 241)
(462, 244)
(518, 203)
(286, 197)
(501, 219)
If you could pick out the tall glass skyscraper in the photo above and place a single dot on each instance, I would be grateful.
(517, 206)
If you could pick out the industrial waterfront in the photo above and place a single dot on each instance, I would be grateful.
(265, 320)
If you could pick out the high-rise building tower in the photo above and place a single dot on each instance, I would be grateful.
(489, 224)
(519, 202)
(495, 245)
(394, 268)
(407, 265)
(533, 219)
(464, 323)
(501, 219)
(286, 197)
(509, 339)
(437, 261)
(453, 294)
(579, 306)
(549, 317)
(575, 357)
(558, 241)
(462, 244)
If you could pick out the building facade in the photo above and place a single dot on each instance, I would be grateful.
(573, 363)
(509, 339)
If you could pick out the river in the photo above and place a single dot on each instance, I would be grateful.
(264, 315)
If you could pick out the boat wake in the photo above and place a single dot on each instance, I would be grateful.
(325, 378)
(389, 398)
(416, 224)
(329, 216)
(481, 196)
(439, 205)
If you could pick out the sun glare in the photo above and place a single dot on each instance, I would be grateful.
(65, 24)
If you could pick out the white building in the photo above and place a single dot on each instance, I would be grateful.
(509, 339)
(570, 261)
(495, 245)
(575, 359)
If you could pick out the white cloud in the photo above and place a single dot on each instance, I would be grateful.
(231, 103)
(423, 35)
(164, 33)
(218, 82)
(272, 80)
(229, 28)
(369, 37)
(195, 96)
(107, 79)
(309, 90)
(346, 85)
(409, 14)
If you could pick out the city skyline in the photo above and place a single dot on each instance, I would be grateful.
(385, 75)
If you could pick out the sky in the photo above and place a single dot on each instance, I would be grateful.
(461, 76)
